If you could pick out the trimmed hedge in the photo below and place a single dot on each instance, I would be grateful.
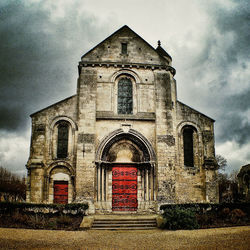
(72, 208)
(186, 216)
(202, 207)
(42, 216)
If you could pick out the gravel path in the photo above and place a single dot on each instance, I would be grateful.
(220, 238)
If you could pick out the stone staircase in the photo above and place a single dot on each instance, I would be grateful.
(123, 222)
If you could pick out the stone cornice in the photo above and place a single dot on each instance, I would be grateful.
(103, 115)
(34, 163)
(124, 163)
(126, 65)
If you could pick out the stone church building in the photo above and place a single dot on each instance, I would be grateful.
(123, 142)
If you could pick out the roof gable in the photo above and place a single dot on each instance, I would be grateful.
(194, 111)
(54, 106)
(138, 50)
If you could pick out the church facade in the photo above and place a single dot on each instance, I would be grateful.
(123, 142)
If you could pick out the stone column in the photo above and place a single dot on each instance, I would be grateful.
(98, 182)
(103, 183)
(152, 183)
(147, 185)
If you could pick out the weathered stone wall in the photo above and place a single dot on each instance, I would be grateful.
(41, 158)
(199, 183)
(92, 116)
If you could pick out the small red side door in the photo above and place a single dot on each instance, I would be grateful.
(61, 192)
(124, 188)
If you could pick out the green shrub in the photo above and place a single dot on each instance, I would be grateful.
(179, 218)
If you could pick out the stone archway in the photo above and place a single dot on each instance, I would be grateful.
(59, 171)
(131, 135)
(125, 171)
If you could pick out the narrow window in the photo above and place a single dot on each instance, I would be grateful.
(124, 48)
(125, 96)
(188, 147)
(62, 140)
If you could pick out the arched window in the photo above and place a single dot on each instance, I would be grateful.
(62, 140)
(125, 96)
(188, 145)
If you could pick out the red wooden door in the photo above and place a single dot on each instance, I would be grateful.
(124, 188)
(61, 192)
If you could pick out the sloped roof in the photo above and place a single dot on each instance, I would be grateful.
(181, 103)
(52, 105)
(160, 51)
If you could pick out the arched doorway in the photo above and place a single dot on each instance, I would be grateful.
(125, 172)
(59, 183)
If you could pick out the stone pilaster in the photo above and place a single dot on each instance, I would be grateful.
(36, 184)
(85, 167)
(165, 140)
(211, 183)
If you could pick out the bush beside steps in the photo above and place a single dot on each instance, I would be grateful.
(203, 215)
(178, 218)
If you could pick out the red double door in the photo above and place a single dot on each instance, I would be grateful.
(61, 192)
(124, 188)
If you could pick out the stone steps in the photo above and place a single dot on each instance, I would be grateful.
(126, 228)
(123, 223)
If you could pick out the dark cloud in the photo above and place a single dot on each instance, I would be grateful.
(234, 124)
(237, 21)
(222, 66)
(234, 121)
(38, 57)
(234, 127)
(238, 102)
(227, 41)
(11, 117)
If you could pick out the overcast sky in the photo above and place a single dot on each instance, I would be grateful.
(42, 41)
